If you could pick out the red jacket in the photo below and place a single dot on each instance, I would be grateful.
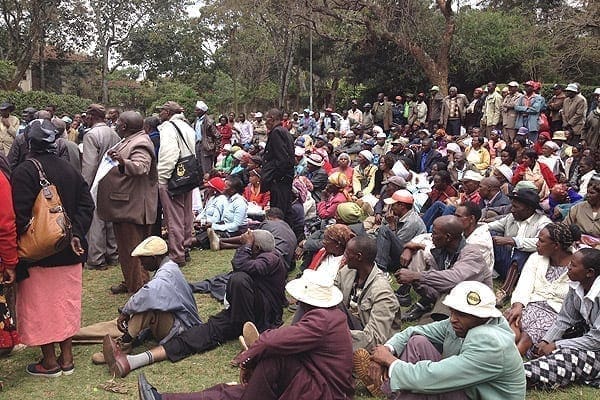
(8, 230)
(546, 173)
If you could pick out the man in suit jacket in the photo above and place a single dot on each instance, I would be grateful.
(494, 204)
(97, 141)
(382, 112)
(128, 197)
(453, 111)
(427, 156)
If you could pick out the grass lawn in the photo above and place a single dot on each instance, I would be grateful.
(192, 374)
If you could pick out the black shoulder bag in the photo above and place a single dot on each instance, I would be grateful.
(186, 174)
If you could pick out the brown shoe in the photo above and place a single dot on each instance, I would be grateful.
(361, 360)
(116, 360)
(250, 333)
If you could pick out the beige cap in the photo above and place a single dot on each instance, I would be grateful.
(151, 246)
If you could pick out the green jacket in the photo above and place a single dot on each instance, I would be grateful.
(485, 364)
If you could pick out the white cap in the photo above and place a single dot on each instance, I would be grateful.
(151, 246)
(434, 89)
(513, 83)
(367, 154)
(473, 298)
(381, 135)
(472, 176)
(315, 288)
(597, 91)
(258, 115)
(200, 105)
(571, 87)
(298, 151)
(377, 129)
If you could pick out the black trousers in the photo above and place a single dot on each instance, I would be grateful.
(281, 196)
(226, 325)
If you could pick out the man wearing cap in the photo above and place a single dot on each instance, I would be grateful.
(401, 225)
(329, 121)
(478, 358)
(515, 237)
(380, 148)
(255, 292)
(574, 112)
(208, 138)
(434, 107)
(418, 112)
(165, 305)
(305, 361)
(453, 111)
(128, 196)
(528, 108)
(382, 112)
(316, 174)
(399, 150)
(260, 128)
(555, 104)
(492, 108)
(97, 141)
(509, 115)
(177, 210)
(278, 163)
(307, 124)
(9, 124)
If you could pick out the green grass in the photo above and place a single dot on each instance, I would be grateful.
(192, 374)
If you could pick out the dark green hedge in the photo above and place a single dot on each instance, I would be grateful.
(65, 103)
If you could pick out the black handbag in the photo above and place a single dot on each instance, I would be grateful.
(186, 174)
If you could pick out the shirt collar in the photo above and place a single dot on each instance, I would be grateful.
(591, 294)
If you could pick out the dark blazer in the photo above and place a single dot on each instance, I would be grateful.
(278, 158)
(433, 156)
(499, 206)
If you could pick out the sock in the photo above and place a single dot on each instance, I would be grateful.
(140, 360)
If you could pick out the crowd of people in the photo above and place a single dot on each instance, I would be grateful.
(391, 213)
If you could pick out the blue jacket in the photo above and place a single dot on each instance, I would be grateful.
(529, 116)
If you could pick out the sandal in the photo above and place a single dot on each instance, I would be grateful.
(39, 370)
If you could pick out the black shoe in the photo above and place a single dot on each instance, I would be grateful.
(188, 257)
(146, 390)
(415, 312)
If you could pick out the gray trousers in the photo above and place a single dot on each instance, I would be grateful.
(102, 245)
(177, 212)
(206, 161)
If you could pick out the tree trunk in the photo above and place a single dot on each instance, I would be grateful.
(105, 51)
(42, 67)
(286, 72)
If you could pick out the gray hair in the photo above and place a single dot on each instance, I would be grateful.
(264, 240)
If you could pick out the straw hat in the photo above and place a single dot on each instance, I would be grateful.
(151, 246)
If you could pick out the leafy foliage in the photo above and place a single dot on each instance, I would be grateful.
(65, 104)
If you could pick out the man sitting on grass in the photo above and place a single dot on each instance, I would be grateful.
(478, 359)
(255, 292)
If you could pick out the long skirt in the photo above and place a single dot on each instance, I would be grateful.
(49, 304)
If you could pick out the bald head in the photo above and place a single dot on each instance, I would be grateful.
(451, 225)
(489, 187)
(492, 182)
(131, 122)
(43, 114)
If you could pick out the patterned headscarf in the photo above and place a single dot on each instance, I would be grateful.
(339, 233)
(561, 234)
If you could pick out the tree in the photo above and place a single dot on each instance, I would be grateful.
(423, 29)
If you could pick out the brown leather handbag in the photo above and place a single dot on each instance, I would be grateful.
(49, 229)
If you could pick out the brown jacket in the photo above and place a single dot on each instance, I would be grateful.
(387, 113)
(462, 101)
(129, 192)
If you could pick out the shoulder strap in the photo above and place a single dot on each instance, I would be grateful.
(43, 180)
(181, 136)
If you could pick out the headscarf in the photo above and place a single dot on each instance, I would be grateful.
(300, 187)
(350, 213)
(339, 233)
(562, 234)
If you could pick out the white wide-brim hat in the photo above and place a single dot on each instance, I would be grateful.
(473, 298)
(315, 288)
(151, 246)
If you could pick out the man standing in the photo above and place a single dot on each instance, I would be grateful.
(9, 124)
(245, 129)
(208, 138)
(573, 112)
(260, 128)
(97, 141)
(555, 105)
(435, 108)
(111, 118)
(474, 110)
(176, 140)
(509, 114)
(26, 117)
(355, 113)
(418, 112)
(453, 111)
(491, 109)
(528, 108)
(128, 197)
(278, 163)
(382, 113)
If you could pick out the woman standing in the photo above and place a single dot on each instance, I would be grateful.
(225, 130)
(542, 287)
(49, 295)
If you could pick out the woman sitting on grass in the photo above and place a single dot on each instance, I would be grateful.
(542, 287)
(570, 351)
